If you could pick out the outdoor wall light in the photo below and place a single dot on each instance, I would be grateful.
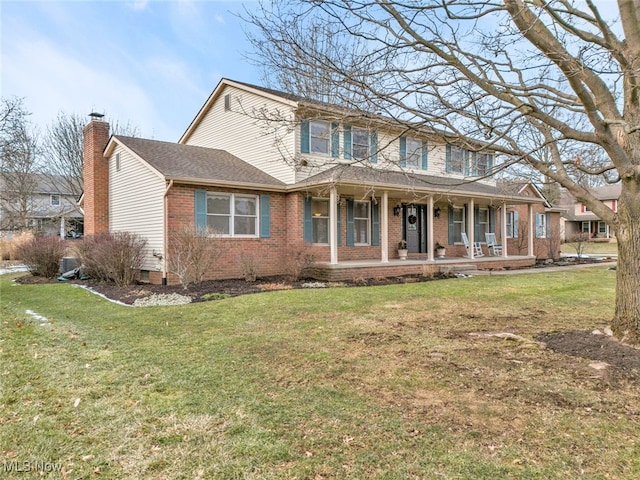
(396, 210)
(436, 212)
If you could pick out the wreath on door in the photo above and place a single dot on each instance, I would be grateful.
(412, 219)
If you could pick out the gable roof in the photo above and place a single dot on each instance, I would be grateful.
(191, 164)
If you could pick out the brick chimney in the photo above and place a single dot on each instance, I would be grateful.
(96, 176)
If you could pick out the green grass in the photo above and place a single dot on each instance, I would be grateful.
(369, 382)
(592, 248)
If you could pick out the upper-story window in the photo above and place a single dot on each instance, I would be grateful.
(319, 137)
(482, 164)
(232, 214)
(413, 153)
(456, 161)
(360, 143)
(54, 200)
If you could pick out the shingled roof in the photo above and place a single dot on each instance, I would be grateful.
(409, 182)
(198, 164)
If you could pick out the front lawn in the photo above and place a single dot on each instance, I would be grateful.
(370, 382)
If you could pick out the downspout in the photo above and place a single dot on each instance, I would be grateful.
(164, 233)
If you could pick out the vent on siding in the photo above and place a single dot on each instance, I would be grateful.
(227, 102)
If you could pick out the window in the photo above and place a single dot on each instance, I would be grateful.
(360, 143)
(541, 225)
(456, 159)
(232, 214)
(54, 200)
(227, 102)
(320, 220)
(482, 164)
(117, 162)
(414, 153)
(483, 224)
(602, 228)
(458, 224)
(361, 223)
(319, 133)
(586, 227)
(512, 224)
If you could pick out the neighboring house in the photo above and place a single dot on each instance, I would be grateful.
(41, 203)
(578, 218)
(272, 173)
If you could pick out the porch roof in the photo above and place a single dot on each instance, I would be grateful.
(409, 183)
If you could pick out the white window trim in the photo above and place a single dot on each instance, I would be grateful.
(509, 225)
(231, 215)
(487, 223)
(462, 151)
(464, 223)
(410, 154)
(353, 144)
(320, 199)
(328, 139)
(368, 219)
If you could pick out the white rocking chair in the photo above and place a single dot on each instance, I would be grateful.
(495, 249)
(477, 248)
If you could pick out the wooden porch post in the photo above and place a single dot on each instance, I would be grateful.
(384, 228)
(471, 233)
(532, 227)
(333, 225)
(503, 230)
(430, 246)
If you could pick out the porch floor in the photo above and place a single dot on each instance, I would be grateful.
(351, 269)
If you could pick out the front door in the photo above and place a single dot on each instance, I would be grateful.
(415, 228)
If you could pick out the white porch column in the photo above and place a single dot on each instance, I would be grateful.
(333, 225)
(62, 228)
(532, 230)
(384, 228)
(430, 246)
(471, 222)
(503, 230)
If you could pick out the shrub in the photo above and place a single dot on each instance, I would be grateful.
(42, 255)
(296, 261)
(249, 263)
(112, 257)
(192, 253)
(9, 246)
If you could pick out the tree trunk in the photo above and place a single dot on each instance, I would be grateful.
(626, 322)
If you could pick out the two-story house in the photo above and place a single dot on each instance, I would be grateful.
(38, 202)
(271, 172)
(580, 219)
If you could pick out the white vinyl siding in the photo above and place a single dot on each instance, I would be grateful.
(240, 133)
(136, 202)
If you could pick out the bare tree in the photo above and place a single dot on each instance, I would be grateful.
(63, 149)
(538, 81)
(19, 152)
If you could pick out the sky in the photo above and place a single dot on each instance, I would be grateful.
(149, 63)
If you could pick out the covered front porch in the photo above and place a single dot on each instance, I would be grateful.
(354, 269)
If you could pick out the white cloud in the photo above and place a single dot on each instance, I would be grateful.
(138, 4)
(52, 80)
